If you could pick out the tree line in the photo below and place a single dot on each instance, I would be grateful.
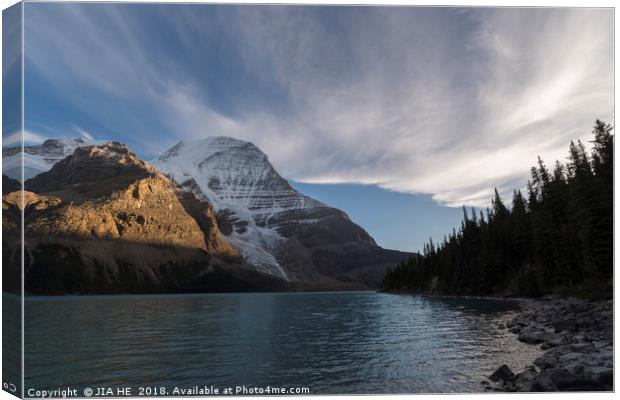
(556, 238)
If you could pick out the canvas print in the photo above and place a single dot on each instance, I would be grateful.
(226, 199)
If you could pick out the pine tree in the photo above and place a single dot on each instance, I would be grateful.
(561, 237)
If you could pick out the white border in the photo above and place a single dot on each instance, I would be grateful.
(475, 3)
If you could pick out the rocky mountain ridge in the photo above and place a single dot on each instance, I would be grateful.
(103, 221)
(217, 216)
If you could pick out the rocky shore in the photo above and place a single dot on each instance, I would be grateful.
(577, 337)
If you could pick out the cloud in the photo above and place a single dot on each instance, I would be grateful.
(15, 138)
(450, 102)
(84, 134)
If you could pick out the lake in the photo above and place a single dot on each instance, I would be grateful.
(360, 342)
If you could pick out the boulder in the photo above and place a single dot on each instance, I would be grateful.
(525, 379)
(547, 360)
(561, 324)
(567, 381)
(583, 347)
(534, 336)
(569, 358)
(542, 383)
(604, 376)
(502, 373)
(605, 358)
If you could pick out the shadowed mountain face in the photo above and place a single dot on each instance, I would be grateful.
(302, 238)
(10, 185)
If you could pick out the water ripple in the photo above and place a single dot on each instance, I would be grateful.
(330, 342)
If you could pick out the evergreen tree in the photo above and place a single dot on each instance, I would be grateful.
(560, 237)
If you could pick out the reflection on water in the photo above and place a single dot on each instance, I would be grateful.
(329, 342)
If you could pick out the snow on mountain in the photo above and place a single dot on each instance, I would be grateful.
(39, 158)
(233, 172)
(240, 182)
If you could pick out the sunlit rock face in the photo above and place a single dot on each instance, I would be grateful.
(103, 221)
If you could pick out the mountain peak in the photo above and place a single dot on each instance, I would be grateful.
(63, 142)
(237, 178)
(111, 151)
(232, 172)
(105, 163)
(38, 158)
(203, 148)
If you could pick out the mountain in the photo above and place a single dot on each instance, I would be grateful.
(277, 229)
(10, 185)
(103, 221)
(209, 215)
(39, 158)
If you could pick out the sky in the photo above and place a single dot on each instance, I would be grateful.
(424, 109)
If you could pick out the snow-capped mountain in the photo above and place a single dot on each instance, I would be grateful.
(39, 158)
(229, 186)
(242, 185)
(233, 172)
(277, 229)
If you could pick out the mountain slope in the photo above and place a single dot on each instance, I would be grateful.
(103, 221)
(277, 229)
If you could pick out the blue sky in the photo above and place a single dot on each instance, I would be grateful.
(396, 220)
(421, 109)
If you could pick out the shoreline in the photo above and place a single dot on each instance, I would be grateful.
(457, 296)
(576, 336)
(577, 339)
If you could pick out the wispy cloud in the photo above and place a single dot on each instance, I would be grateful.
(451, 102)
(83, 133)
(15, 138)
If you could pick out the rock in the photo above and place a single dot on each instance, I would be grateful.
(582, 347)
(502, 373)
(561, 324)
(567, 381)
(547, 360)
(538, 384)
(574, 368)
(525, 379)
(542, 383)
(546, 346)
(579, 339)
(533, 337)
(605, 358)
(602, 375)
(560, 350)
(600, 344)
(570, 357)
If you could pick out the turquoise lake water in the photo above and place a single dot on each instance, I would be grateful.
(327, 342)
